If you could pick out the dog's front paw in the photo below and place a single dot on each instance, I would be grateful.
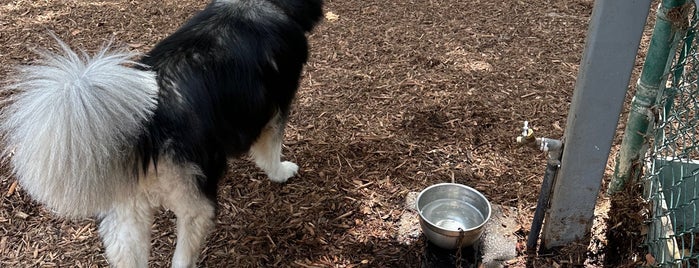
(285, 171)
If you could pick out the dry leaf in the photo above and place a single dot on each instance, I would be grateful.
(331, 16)
(650, 260)
(12, 189)
(3, 244)
(22, 215)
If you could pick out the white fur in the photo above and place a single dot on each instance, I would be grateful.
(176, 190)
(126, 228)
(125, 232)
(267, 150)
(72, 124)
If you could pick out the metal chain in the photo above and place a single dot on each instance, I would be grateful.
(459, 245)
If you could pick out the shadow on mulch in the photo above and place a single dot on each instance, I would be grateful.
(298, 227)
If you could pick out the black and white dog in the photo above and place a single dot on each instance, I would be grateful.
(107, 136)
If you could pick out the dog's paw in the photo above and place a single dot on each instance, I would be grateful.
(285, 171)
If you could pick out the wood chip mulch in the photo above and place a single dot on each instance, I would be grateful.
(397, 95)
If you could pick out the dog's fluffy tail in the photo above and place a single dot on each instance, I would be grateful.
(72, 124)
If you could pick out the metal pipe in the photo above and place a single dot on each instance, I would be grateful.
(670, 27)
(541, 205)
(551, 146)
(554, 148)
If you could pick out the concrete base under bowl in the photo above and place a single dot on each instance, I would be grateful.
(497, 245)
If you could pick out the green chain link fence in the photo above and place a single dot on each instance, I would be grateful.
(671, 169)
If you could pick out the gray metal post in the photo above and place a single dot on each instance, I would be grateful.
(613, 38)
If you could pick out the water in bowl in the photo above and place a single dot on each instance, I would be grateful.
(452, 214)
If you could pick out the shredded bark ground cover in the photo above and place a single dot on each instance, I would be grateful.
(397, 95)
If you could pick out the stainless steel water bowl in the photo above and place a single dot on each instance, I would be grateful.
(452, 215)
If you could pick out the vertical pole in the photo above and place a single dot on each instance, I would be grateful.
(670, 27)
(613, 38)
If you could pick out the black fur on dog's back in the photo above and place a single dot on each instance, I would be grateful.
(223, 76)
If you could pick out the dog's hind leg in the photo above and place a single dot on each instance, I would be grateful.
(125, 231)
(267, 151)
(194, 210)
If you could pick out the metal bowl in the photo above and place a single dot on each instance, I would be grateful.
(452, 215)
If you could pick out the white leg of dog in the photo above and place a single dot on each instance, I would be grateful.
(125, 231)
(267, 151)
(194, 223)
(195, 214)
